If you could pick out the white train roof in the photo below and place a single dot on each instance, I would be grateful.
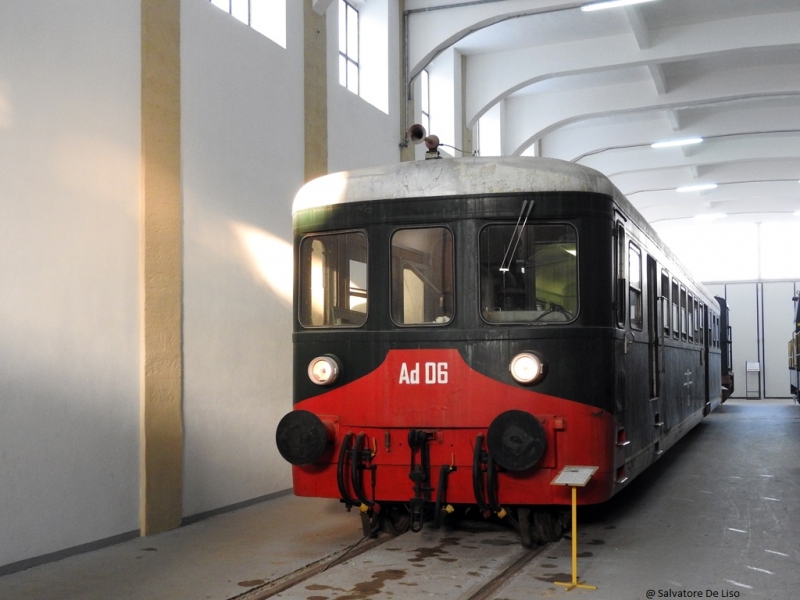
(453, 177)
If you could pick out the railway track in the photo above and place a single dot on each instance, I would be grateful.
(294, 579)
(470, 562)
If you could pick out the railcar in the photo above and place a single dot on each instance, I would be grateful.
(726, 348)
(794, 353)
(466, 328)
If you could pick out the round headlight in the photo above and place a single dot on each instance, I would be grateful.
(324, 370)
(527, 368)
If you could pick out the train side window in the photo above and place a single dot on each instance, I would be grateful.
(683, 313)
(333, 280)
(528, 273)
(422, 276)
(700, 324)
(716, 331)
(696, 321)
(710, 329)
(675, 310)
(635, 286)
(690, 316)
(665, 300)
(712, 332)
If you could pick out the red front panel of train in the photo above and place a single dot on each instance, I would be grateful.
(437, 392)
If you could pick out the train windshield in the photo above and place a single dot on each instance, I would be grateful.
(422, 276)
(529, 273)
(333, 280)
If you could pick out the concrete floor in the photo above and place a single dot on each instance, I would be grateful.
(214, 559)
(717, 514)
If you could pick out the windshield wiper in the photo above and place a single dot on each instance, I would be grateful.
(518, 229)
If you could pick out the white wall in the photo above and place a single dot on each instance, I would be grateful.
(242, 136)
(762, 317)
(69, 247)
(70, 118)
(778, 327)
(751, 251)
(361, 134)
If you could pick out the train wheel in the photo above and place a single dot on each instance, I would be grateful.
(395, 519)
(524, 519)
(547, 527)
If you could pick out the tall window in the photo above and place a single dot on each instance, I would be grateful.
(676, 314)
(665, 300)
(683, 313)
(268, 17)
(635, 287)
(348, 46)
(425, 99)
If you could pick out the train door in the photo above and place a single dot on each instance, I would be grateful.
(653, 329)
(620, 305)
(704, 313)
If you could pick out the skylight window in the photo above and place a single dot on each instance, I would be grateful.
(268, 17)
(425, 100)
(348, 46)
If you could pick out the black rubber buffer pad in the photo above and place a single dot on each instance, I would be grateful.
(516, 440)
(301, 437)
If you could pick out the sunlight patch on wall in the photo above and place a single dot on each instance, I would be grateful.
(98, 168)
(270, 259)
(6, 112)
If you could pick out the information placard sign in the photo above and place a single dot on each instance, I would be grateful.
(574, 476)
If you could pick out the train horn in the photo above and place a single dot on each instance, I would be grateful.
(432, 142)
(416, 133)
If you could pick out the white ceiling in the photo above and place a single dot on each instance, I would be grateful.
(598, 87)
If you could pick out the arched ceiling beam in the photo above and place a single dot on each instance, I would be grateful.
(639, 28)
(713, 151)
(638, 182)
(607, 134)
(773, 199)
(731, 191)
(432, 29)
(493, 77)
(529, 118)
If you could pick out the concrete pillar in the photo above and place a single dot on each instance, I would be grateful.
(161, 270)
(467, 144)
(316, 92)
